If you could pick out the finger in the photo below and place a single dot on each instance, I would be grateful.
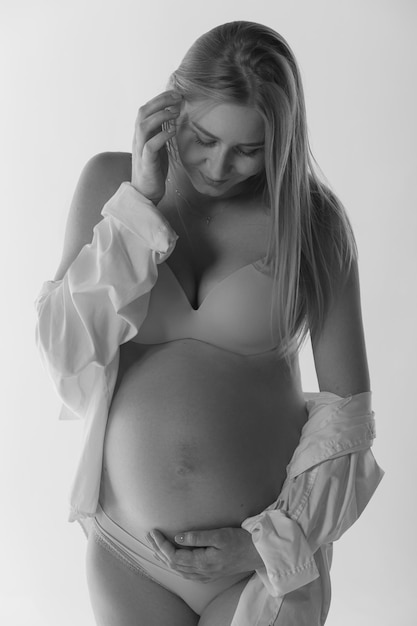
(200, 561)
(163, 546)
(202, 538)
(162, 100)
(148, 125)
(153, 146)
(160, 556)
(185, 560)
(150, 135)
(193, 560)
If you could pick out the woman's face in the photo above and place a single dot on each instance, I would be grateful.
(220, 146)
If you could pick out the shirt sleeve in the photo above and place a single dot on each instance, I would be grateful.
(103, 298)
(330, 480)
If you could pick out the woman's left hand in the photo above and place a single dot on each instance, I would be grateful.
(215, 553)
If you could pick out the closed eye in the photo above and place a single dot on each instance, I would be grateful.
(210, 144)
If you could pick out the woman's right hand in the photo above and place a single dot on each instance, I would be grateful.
(149, 153)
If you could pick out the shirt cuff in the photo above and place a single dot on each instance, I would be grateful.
(139, 215)
(289, 562)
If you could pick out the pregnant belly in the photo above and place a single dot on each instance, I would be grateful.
(197, 437)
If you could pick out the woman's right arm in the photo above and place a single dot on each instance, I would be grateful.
(99, 180)
(100, 294)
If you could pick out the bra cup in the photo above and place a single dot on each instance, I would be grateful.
(235, 314)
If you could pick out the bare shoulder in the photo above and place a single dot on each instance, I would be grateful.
(99, 180)
(105, 172)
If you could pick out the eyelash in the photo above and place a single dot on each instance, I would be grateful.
(211, 143)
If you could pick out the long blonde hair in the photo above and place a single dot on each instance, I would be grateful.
(310, 239)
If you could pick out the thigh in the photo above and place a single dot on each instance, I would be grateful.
(220, 611)
(121, 596)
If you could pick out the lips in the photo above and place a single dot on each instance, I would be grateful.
(210, 181)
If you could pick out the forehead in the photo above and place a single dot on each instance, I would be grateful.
(229, 122)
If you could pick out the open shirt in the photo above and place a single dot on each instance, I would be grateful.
(100, 304)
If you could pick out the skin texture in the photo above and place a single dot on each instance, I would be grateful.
(228, 157)
(339, 351)
(230, 551)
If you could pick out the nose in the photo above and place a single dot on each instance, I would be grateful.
(219, 165)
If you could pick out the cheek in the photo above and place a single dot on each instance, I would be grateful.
(188, 149)
(250, 167)
(188, 152)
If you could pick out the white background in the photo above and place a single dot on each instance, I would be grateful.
(73, 75)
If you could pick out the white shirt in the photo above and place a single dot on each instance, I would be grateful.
(100, 304)
(330, 479)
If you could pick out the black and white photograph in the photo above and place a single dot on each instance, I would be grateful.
(209, 311)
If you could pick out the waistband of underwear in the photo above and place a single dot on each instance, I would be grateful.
(139, 557)
(133, 549)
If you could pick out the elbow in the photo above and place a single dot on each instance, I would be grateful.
(347, 377)
(60, 353)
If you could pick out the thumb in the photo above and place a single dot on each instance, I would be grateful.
(199, 538)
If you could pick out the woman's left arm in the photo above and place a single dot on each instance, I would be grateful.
(332, 474)
(339, 348)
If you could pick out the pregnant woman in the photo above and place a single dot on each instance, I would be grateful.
(210, 486)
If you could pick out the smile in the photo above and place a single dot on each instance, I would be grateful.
(210, 181)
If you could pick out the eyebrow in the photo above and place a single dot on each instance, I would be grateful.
(203, 130)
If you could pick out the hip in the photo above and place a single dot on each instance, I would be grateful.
(134, 553)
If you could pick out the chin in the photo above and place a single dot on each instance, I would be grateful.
(214, 190)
